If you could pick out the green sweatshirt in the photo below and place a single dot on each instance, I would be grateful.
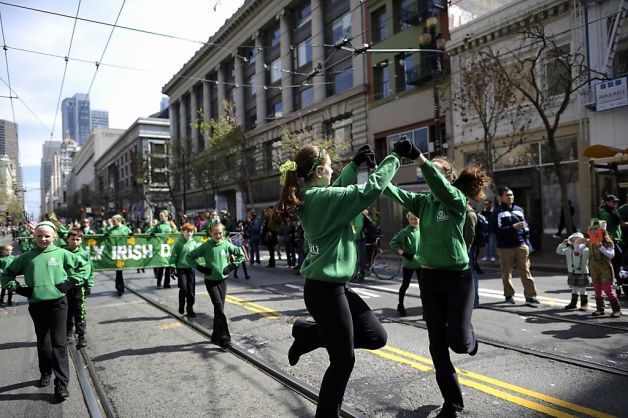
(161, 228)
(43, 269)
(62, 234)
(25, 240)
(5, 260)
(88, 274)
(119, 230)
(408, 240)
(217, 256)
(442, 213)
(327, 214)
(180, 250)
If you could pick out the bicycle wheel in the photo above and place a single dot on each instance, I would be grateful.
(385, 269)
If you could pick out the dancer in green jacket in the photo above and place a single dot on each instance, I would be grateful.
(406, 244)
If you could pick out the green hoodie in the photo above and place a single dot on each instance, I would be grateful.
(180, 250)
(88, 274)
(25, 240)
(5, 260)
(162, 227)
(442, 213)
(43, 269)
(327, 214)
(217, 256)
(408, 240)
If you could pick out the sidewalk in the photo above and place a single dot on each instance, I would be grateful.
(544, 259)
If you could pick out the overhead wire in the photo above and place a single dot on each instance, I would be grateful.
(65, 69)
(6, 59)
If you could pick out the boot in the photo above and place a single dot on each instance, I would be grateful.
(401, 309)
(80, 342)
(584, 303)
(306, 339)
(573, 304)
(599, 307)
(615, 307)
(181, 305)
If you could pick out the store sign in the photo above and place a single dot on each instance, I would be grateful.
(611, 94)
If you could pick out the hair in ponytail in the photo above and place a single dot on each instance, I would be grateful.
(303, 166)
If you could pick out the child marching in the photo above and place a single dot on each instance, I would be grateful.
(221, 257)
(406, 245)
(183, 246)
(77, 312)
(6, 257)
(577, 269)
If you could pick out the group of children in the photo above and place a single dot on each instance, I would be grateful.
(591, 257)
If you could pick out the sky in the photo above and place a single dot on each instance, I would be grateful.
(134, 67)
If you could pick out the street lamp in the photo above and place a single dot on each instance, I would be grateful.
(432, 40)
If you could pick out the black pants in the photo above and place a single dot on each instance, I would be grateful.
(271, 254)
(119, 281)
(76, 310)
(49, 319)
(407, 278)
(344, 322)
(9, 295)
(246, 272)
(159, 273)
(217, 290)
(447, 298)
(187, 288)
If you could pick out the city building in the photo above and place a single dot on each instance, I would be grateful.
(82, 179)
(57, 194)
(591, 30)
(49, 149)
(9, 146)
(286, 69)
(99, 119)
(7, 178)
(76, 117)
(131, 174)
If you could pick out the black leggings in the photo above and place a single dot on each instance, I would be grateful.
(447, 298)
(407, 278)
(217, 290)
(187, 288)
(343, 322)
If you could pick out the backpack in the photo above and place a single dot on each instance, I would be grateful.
(482, 231)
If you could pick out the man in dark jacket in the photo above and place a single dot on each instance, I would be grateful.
(512, 232)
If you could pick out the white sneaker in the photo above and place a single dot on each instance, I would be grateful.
(556, 236)
(493, 259)
(483, 259)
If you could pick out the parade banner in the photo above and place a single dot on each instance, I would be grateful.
(119, 252)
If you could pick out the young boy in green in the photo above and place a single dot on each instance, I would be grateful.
(406, 244)
(6, 257)
(184, 245)
(163, 227)
(77, 295)
(221, 257)
(49, 272)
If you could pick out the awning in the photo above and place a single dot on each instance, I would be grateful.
(604, 151)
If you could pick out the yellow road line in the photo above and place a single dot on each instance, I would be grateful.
(171, 325)
(254, 307)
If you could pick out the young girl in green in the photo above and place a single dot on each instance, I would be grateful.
(185, 268)
(49, 272)
(406, 244)
(221, 257)
(342, 320)
(77, 310)
(447, 289)
(6, 257)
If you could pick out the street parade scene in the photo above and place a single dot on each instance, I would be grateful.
(314, 208)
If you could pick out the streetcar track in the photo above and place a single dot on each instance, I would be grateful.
(279, 375)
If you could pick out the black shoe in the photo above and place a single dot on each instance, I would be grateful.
(167, 286)
(158, 284)
(510, 299)
(235, 276)
(120, 292)
(402, 310)
(80, 342)
(61, 393)
(447, 411)
(474, 351)
(181, 310)
(44, 380)
(226, 345)
(191, 314)
(247, 277)
(532, 302)
(70, 337)
(10, 303)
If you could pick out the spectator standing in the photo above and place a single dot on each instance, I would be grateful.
(513, 246)
(270, 237)
(561, 222)
(610, 214)
(602, 250)
(577, 269)
(254, 230)
(491, 245)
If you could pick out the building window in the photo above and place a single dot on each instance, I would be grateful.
(620, 62)
(304, 15)
(343, 80)
(275, 70)
(275, 107)
(404, 72)
(303, 53)
(379, 23)
(251, 86)
(381, 79)
(341, 28)
(275, 36)
(305, 97)
(418, 136)
(268, 156)
(402, 12)
(341, 130)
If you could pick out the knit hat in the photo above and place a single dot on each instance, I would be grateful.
(575, 235)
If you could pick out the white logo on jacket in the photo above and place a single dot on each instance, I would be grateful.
(313, 249)
(441, 216)
(53, 262)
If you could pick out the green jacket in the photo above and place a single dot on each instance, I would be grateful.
(613, 227)
(442, 213)
(408, 240)
(161, 228)
(5, 260)
(25, 240)
(62, 234)
(119, 230)
(43, 269)
(217, 256)
(326, 217)
(88, 274)
(180, 250)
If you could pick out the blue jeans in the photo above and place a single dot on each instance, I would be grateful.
(254, 250)
(491, 251)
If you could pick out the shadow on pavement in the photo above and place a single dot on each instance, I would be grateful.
(20, 344)
(198, 346)
(136, 319)
(19, 386)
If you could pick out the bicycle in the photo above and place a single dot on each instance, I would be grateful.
(384, 267)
